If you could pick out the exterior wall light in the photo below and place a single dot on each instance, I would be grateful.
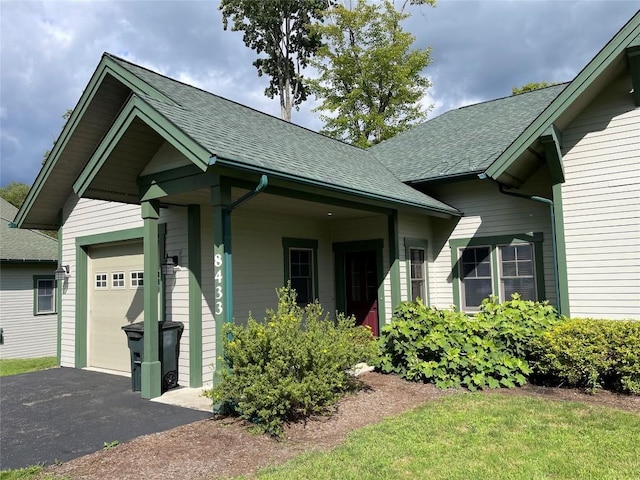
(169, 264)
(62, 272)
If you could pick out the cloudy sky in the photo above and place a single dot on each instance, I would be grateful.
(481, 49)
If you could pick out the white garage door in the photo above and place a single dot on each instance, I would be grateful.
(115, 299)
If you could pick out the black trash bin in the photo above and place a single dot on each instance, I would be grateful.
(169, 335)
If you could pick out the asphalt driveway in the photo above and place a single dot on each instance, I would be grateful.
(64, 413)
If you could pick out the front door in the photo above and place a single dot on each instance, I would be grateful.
(362, 288)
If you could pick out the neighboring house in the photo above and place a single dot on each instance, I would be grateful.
(28, 260)
(537, 194)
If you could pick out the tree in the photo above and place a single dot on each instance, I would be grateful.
(15, 193)
(530, 87)
(282, 30)
(370, 81)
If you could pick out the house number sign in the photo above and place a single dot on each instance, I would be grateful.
(217, 263)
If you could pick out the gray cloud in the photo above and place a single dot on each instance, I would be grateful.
(48, 51)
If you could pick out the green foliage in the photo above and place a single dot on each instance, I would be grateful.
(293, 365)
(369, 79)
(530, 87)
(110, 445)
(591, 354)
(282, 30)
(452, 349)
(15, 193)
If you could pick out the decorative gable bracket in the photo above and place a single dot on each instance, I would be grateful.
(550, 140)
(633, 55)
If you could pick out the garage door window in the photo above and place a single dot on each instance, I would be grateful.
(117, 280)
(101, 280)
(137, 279)
(44, 301)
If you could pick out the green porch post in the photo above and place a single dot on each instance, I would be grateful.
(151, 367)
(223, 284)
(394, 259)
(195, 297)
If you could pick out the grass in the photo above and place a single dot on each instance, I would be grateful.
(14, 366)
(483, 436)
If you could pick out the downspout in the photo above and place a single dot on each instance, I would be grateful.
(264, 181)
(554, 246)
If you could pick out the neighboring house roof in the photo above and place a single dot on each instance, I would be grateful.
(462, 141)
(17, 245)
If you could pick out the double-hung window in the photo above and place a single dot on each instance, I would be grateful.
(499, 266)
(44, 295)
(416, 258)
(301, 267)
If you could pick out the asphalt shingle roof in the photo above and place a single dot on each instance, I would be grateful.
(232, 131)
(17, 244)
(465, 140)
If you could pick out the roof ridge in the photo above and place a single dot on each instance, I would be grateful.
(167, 77)
(516, 95)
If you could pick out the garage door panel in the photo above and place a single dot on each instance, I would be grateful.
(115, 300)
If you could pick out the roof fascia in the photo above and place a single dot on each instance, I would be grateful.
(583, 80)
(368, 197)
(107, 66)
(633, 55)
(137, 108)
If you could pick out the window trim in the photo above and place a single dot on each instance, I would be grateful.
(113, 286)
(414, 244)
(106, 281)
(534, 268)
(536, 239)
(131, 278)
(36, 280)
(288, 244)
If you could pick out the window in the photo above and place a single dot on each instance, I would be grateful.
(44, 295)
(117, 280)
(301, 267)
(499, 266)
(137, 279)
(416, 259)
(101, 280)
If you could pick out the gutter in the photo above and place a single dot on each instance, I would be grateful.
(554, 245)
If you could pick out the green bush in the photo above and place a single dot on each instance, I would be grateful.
(452, 349)
(590, 354)
(292, 365)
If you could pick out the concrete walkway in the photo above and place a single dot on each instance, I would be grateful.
(64, 413)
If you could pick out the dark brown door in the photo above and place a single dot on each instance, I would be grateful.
(362, 288)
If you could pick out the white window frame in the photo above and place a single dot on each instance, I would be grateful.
(463, 306)
(502, 276)
(101, 281)
(136, 278)
(423, 293)
(122, 278)
(38, 295)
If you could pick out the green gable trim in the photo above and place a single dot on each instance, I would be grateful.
(583, 80)
(492, 242)
(550, 142)
(311, 244)
(107, 66)
(633, 55)
(82, 289)
(195, 295)
(339, 249)
(422, 243)
(137, 108)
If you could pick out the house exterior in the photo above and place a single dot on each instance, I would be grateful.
(537, 194)
(28, 296)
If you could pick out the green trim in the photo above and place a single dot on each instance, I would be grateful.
(551, 143)
(339, 249)
(151, 386)
(368, 197)
(82, 301)
(162, 282)
(109, 237)
(633, 55)
(561, 249)
(60, 287)
(138, 108)
(222, 266)
(289, 243)
(36, 278)
(536, 239)
(423, 244)
(195, 295)
(394, 259)
(601, 62)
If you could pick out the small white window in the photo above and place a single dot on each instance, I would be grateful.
(45, 296)
(117, 280)
(101, 280)
(418, 277)
(137, 279)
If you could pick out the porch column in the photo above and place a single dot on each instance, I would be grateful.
(151, 368)
(394, 259)
(222, 271)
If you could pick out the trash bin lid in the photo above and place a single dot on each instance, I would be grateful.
(170, 325)
(134, 327)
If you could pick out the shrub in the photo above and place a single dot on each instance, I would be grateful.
(590, 354)
(293, 365)
(452, 349)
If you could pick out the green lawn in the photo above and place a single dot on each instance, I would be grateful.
(13, 366)
(483, 436)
